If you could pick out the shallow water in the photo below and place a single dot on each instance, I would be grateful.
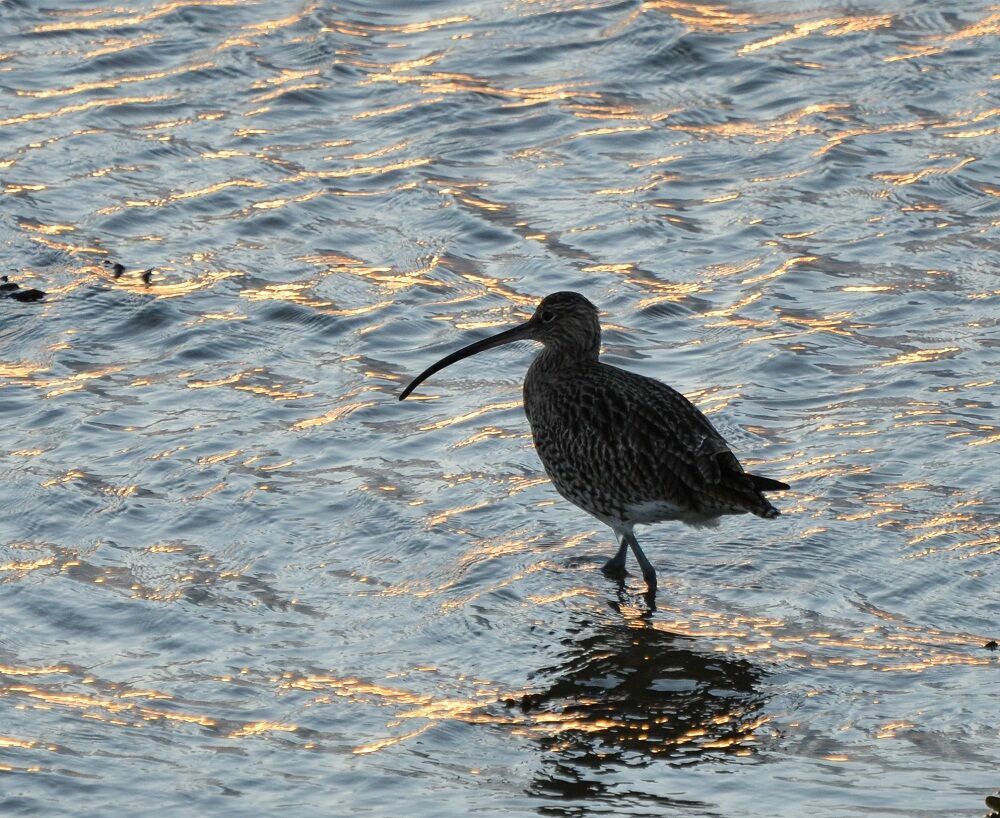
(238, 575)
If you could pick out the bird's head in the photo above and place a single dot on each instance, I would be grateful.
(565, 322)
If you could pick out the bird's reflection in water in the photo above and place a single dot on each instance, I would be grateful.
(627, 694)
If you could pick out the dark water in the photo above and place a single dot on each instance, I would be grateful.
(238, 577)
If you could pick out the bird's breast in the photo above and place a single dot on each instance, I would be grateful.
(567, 446)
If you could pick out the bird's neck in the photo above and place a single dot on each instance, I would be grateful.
(560, 359)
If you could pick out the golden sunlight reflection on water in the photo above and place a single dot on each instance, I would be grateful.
(239, 575)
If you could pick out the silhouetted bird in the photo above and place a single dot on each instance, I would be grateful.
(623, 447)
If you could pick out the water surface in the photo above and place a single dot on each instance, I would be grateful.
(239, 577)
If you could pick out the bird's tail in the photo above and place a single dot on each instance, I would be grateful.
(766, 510)
(767, 484)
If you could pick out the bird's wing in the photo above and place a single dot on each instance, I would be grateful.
(652, 439)
(672, 425)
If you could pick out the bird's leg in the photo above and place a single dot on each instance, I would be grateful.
(648, 572)
(615, 567)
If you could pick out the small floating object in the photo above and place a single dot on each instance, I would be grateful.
(991, 645)
(625, 448)
(28, 295)
(118, 270)
(8, 289)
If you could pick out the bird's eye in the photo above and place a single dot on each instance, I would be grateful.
(548, 316)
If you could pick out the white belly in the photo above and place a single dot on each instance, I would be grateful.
(658, 511)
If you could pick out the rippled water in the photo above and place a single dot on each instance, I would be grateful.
(239, 577)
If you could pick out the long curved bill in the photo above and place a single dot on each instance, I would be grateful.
(518, 333)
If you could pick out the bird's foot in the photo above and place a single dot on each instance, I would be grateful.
(614, 569)
(649, 575)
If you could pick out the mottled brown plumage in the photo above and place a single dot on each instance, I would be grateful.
(623, 447)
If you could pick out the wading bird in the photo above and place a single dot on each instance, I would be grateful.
(623, 447)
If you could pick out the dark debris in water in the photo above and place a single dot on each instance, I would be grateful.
(118, 270)
(991, 645)
(8, 289)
